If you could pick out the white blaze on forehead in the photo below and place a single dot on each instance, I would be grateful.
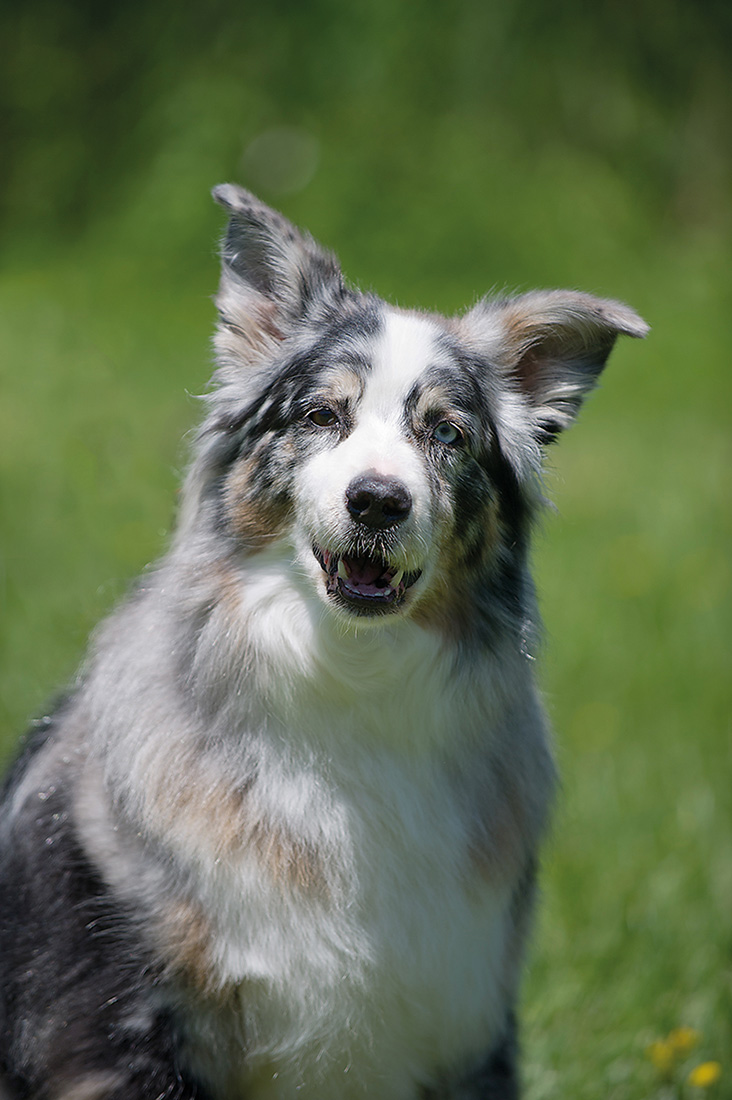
(407, 346)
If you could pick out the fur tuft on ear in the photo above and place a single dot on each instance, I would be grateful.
(551, 345)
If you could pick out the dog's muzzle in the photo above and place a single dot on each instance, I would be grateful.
(363, 581)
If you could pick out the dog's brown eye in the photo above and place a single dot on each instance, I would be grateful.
(323, 418)
(448, 433)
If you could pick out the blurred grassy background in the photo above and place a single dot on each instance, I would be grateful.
(443, 149)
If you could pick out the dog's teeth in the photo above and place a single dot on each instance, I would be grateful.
(396, 580)
(342, 571)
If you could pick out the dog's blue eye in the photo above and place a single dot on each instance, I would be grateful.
(448, 433)
(323, 418)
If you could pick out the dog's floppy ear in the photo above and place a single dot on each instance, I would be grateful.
(272, 272)
(551, 345)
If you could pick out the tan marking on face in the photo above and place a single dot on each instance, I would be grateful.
(436, 396)
(256, 517)
(339, 384)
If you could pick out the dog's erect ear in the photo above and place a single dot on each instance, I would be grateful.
(272, 272)
(551, 345)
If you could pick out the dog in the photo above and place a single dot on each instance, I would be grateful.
(280, 840)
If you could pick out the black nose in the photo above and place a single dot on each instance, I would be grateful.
(378, 501)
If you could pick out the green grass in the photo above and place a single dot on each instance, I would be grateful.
(102, 347)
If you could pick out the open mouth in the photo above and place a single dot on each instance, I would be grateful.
(366, 583)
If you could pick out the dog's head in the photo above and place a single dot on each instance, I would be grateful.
(395, 452)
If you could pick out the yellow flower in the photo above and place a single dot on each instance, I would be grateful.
(662, 1054)
(683, 1039)
(704, 1075)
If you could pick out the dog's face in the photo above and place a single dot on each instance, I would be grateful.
(396, 478)
(397, 451)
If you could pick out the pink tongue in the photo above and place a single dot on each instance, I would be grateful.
(363, 571)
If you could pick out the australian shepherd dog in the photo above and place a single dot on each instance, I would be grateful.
(280, 839)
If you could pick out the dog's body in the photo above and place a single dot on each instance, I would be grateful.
(280, 841)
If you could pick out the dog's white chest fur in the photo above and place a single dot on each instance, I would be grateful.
(390, 953)
(408, 964)
(396, 957)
